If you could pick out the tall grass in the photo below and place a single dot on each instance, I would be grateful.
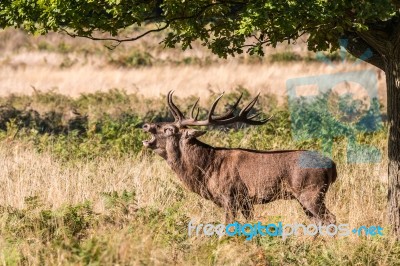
(96, 197)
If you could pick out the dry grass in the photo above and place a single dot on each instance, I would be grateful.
(153, 231)
(90, 71)
(153, 81)
(357, 198)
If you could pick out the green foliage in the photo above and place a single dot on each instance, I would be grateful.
(135, 59)
(285, 57)
(334, 56)
(65, 225)
(75, 234)
(116, 132)
(223, 27)
(67, 62)
(64, 48)
(81, 234)
(122, 203)
(107, 136)
(318, 119)
(44, 46)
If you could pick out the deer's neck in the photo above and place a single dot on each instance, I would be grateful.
(185, 156)
(191, 161)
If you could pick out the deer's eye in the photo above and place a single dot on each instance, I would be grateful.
(169, 131)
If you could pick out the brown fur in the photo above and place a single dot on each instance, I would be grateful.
(236, 179)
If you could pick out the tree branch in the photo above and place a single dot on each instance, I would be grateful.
(167, 24)
(118, 40)
(375, 40)
(297, 33)
(381, 38)
(359, 48)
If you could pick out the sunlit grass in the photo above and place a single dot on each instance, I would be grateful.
(99, 198)
(77, 187)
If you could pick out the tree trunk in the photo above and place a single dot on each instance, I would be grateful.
(392, 70)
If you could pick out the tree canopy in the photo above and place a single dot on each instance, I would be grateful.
(225, 27)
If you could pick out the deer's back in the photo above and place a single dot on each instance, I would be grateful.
(273, 171)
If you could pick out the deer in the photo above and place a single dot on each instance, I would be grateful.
(236, 179)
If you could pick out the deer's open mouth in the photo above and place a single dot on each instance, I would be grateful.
(150, 142)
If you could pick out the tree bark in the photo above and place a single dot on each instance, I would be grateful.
(384, 41)
(392, 70)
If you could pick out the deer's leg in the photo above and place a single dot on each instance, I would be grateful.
(247, 209)
(327, 216)
(230, 215)
(231, 209)
(307, 212)
(313, 203)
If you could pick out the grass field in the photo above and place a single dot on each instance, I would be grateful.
(77, 187)
(74, 66)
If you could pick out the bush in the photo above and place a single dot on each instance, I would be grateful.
(113, 126)
(135, 59)
(285, 57)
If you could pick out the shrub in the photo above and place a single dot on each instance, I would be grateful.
(285, 57)
(135, 59)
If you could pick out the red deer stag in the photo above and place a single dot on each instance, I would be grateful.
(236, 179)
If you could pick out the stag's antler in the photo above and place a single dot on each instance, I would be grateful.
(225, 119)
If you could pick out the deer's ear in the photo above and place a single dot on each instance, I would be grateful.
(193, 133)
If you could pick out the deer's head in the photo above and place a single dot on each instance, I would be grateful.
(169, 135)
